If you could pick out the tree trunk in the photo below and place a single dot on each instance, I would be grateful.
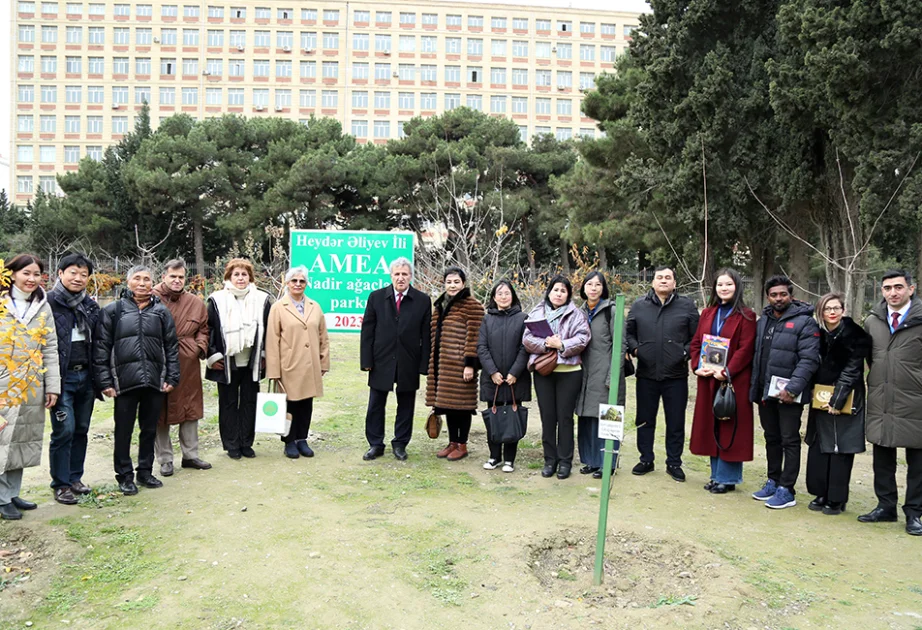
(564, 257)
(529, 252)
(798, 268)
(603, 258)
(199, 245)
(919, 259)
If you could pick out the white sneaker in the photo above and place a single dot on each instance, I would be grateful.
(491, 464)
(508, 467)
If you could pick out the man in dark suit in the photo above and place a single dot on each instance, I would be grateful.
(395, 351)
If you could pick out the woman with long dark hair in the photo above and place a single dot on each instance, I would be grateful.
(22, 424)
(596, 371)
(557, 392)
(836, 432)
(451, 387)
(505, 375)
(728, 442)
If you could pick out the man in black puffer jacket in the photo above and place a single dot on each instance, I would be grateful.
(660, 327)
(136, 361)
(787, 347)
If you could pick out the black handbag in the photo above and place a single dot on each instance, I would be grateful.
(508, 423)
(725, 410)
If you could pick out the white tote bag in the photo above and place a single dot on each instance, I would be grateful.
(271, 412)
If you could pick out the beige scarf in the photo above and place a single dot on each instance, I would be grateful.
(241, 314)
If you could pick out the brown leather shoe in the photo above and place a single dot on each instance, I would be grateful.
(460, 452)
(196, 463)
(65, 496)
(445, 452)
(78, 487)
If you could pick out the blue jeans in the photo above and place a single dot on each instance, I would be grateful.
(70, 424)
(730, 473)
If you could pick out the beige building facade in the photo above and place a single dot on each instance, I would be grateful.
(82, 70)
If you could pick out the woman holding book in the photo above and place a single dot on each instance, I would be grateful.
(835, 425)
(557, 328)
(722, 351)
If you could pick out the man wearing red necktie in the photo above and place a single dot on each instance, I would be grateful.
(894, 413)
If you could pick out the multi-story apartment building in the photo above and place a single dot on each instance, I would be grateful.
(82, 69)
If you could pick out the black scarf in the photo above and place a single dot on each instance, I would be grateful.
(74, 301)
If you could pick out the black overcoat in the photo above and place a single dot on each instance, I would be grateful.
(395, 349)
(842, 359)
(500, 349)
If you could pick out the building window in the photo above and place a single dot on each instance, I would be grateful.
(283, 68)
(25, 124)
(167, 10)
(94, 153)
(213, 96)
(628, 30)
(72, 124)
(608, 29)
(189, 67)
(329, 99)
(428, 73)
(361, 17)
(49, 94)
(520, 24)
(237, 39)
(25, 153)
(119, 95)
(430, 19)
(360, 99)
(216, 12)
(74, 8)
(48, 124)
(95, 94)
(400, 132)
(382, 71)
(475, 21)
(407, 18)
(587, 52)
(121, 10)
(167, 96)
(309, 15)
(382, 17)
(519, 105)
(564, 79)
(406, 100)
(27, 63)
(360, 41)
(564, 26)
(24, 183)
(564, 107)
(587, 28)
(498, 76)
(263, 13)
(382, 129)
(120, 124)
(308, 40)
(215, 38)
(475, 102)
(428, 44)
(236, 68)
(498, 104)
(261, 68)
(331, 41)
(49, 34)
(382, 43)
(498, 22)
(49, 8)
(453, 20)
(74, 35)
(26, 33)
(498, 48)
(407, 43)
(407, 72)
(26, 94)
(25, 7)
(542, 25)
(360, 128)
(261, 98)
(47, 154)
(543, 106)
(283, 98)
(475, 47)
(190, 11)
(307, 98)
(586, 80)
(71, 155)
(190, 37)
(331, 15)
(48, 184)
(121, 36)
(543, 77)
(49, 65)
(360, 71)
(235, 96)
(564, 51)
(330, 69)
(143, 36)
(285, 14)
(607, 53)
(168, 36)
(73, 94)
(452, 74)
(564, 133)
(120, 65)
(519, 76)
(95, 65)
(214, 67)
(382, 100)
(427, 101)
(262, 39)
(452, 101)
(453, 45)
(142, 94)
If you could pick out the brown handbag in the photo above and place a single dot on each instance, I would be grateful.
(546, 363)
(434, 425)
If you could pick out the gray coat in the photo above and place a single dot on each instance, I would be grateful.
(894, 416)
(597, 362)
(21, 440)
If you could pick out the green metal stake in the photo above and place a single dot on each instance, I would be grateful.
(617, 360)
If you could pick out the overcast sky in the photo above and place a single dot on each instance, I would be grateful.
(6, 127)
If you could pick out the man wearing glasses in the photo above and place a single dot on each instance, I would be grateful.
(894, 415)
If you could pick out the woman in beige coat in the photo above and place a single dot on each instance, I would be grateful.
(297, 357)
(25, 313)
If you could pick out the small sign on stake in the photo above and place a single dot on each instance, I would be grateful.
(611, 422)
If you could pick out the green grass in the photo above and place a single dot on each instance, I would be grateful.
(674, 600)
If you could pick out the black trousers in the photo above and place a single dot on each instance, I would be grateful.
(828, 474)
(498, 451)
(144, 405)
(459, 425)
(301, 413)
(781, 425)
(674, 393)
(885, 479)
(237, 409)
(557, 395)
(374, 417)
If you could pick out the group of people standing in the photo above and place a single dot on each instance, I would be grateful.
(144, 350)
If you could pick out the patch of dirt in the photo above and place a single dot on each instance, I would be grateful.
(638, 572)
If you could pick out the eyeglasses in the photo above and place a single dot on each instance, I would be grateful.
(833, 309)
(298, 281)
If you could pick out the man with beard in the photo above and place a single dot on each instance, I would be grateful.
(75, 315)
(787, 349)
(184, 405)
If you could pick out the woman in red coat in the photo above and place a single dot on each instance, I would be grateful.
(729, 443)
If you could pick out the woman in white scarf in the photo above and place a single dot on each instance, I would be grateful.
(237, 316)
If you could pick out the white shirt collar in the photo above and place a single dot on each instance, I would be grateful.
(403, 293)
(902, 311)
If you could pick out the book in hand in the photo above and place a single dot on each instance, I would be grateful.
(714, 351)
(822, 394)
(777, 384)
(539, 328)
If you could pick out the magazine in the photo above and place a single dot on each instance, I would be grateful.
(539, 328)
(822, 394)
(714, 351)
(777, 384)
